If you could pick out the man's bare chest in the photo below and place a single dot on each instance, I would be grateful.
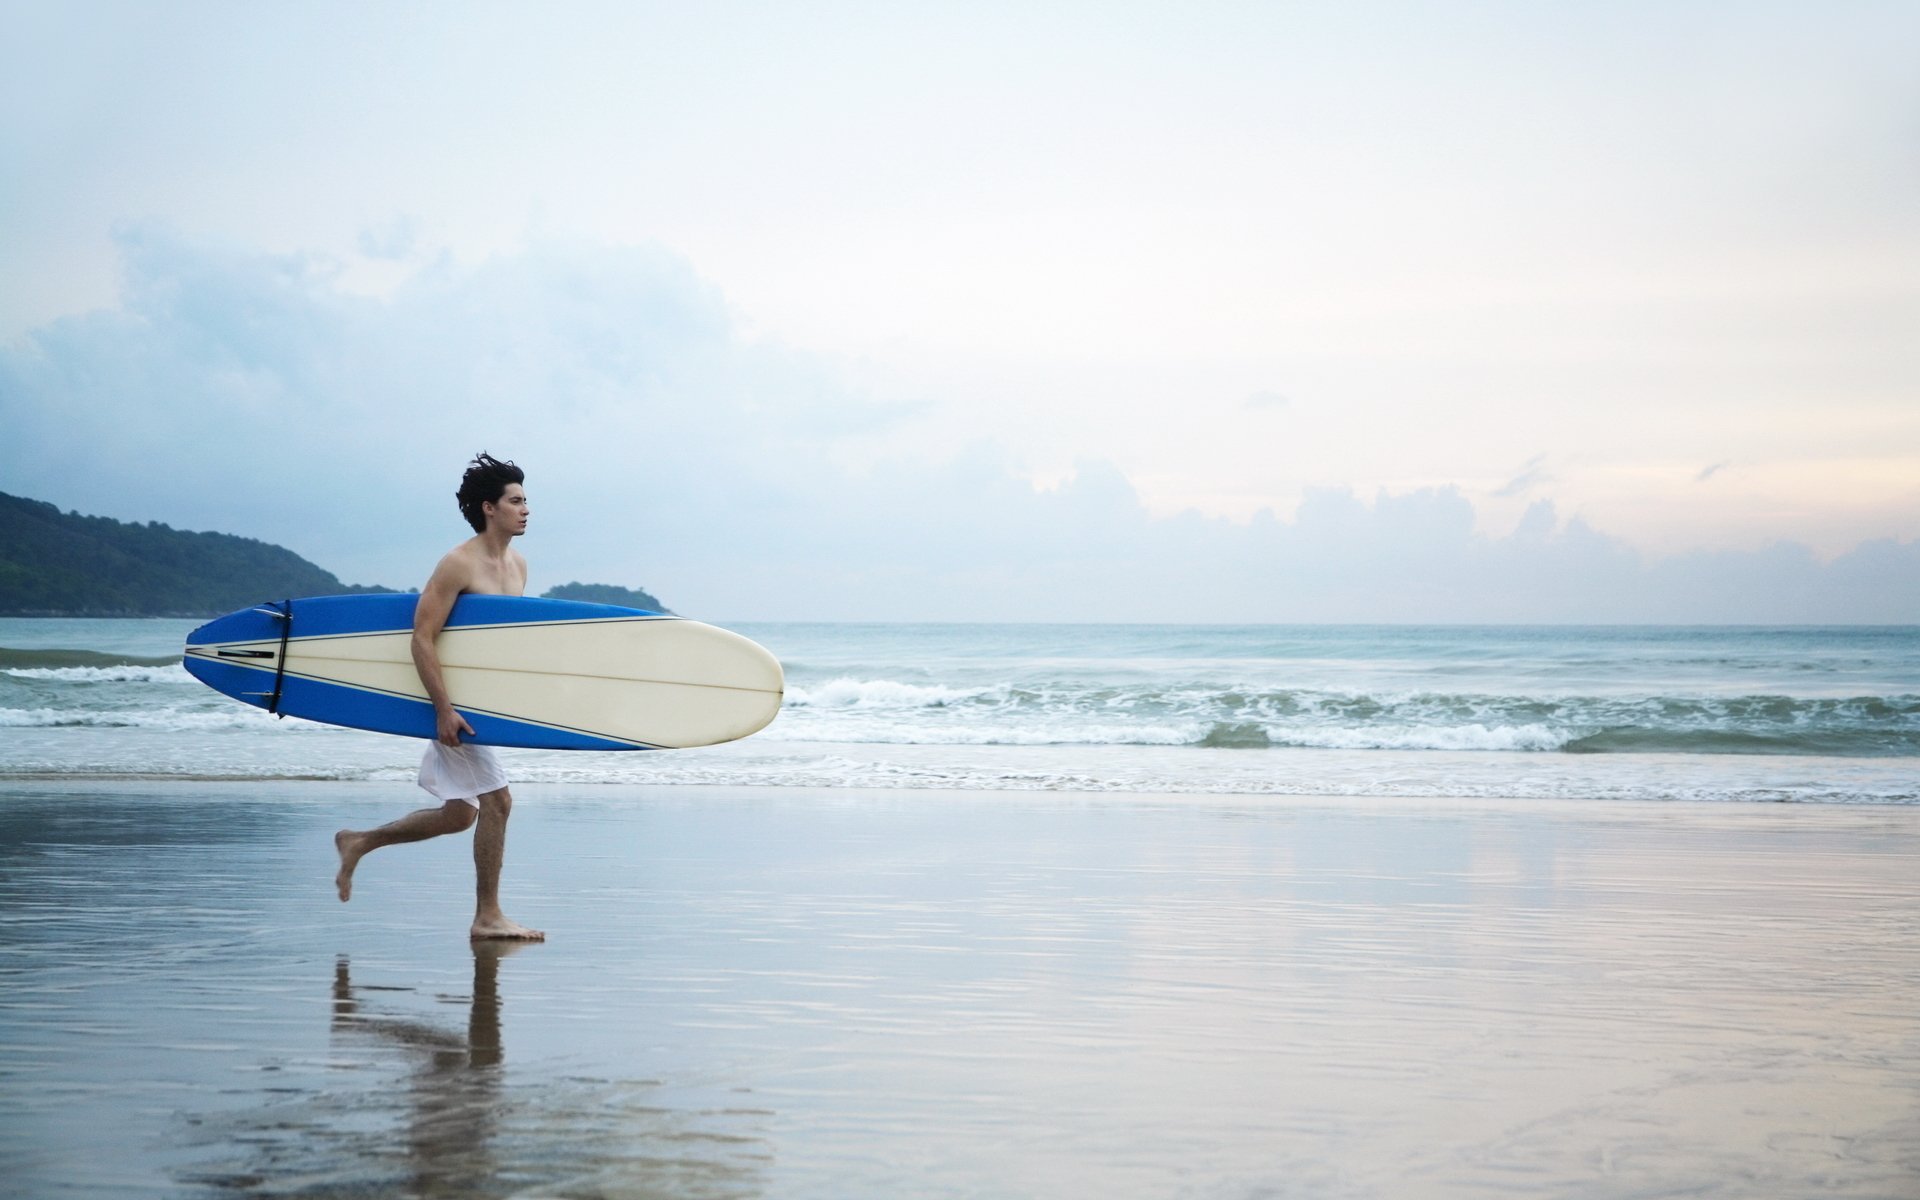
(492, 580)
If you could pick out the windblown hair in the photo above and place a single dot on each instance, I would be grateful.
(485, 482)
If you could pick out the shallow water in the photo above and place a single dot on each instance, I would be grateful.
(848, 994)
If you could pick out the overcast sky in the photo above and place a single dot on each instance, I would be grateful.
(1111, 311)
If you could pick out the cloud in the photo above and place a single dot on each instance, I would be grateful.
(396, 240)
(249, 392)
(1267, 400)
(254, 393)
(1710, 472)
(1529, 478)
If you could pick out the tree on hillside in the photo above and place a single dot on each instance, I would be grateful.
(606, 593)
(65, 564)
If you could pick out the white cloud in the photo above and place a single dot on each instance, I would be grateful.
(396, 239)
(1531, 476)
(256, 394)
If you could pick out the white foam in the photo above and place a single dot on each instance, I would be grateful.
(1058, 730)
(880, 693)
(148, 718)
(171, 673)
(1447, 737)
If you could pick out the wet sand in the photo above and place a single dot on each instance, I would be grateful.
(783, 993)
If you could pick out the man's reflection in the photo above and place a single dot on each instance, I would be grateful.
(453, 1088)
(406, 1105)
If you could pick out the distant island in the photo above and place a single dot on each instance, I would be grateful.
(606, 593)
(55, 564)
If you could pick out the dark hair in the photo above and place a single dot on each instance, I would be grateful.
(485, 482)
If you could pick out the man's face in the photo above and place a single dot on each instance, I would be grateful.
(509, 512)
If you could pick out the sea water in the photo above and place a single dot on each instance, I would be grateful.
(1805, 714)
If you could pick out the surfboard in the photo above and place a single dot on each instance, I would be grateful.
(552, 674)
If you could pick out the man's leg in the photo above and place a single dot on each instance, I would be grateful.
(489, 850)
(455, 816)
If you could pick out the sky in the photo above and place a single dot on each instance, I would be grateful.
(1043, 311)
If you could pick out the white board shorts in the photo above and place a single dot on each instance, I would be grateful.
(460, 772)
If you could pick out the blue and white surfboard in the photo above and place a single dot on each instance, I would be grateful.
(555, 674)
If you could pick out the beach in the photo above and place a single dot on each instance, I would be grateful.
(883, 992)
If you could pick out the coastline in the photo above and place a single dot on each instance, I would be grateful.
(838, 992)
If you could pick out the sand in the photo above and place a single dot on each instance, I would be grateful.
(786, 993)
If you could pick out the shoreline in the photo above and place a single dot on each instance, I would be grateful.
(1292, 774)
(403, 784)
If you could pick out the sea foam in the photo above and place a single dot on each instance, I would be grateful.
(122, 674)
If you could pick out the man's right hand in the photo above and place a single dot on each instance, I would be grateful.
(451, 725)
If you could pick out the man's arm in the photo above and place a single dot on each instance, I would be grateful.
(429, 618)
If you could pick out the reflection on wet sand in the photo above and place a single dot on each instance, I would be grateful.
(418, 1108)
(987, 996)
(453, 1081)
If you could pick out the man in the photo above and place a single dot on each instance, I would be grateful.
(465, 778)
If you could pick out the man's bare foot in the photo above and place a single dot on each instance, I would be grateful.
(503, 929)
(347, 842)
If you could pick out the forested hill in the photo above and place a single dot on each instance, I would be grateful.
(63, 564)
(606, 593)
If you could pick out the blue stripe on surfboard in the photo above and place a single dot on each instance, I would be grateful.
(383, 712)
(335, 616)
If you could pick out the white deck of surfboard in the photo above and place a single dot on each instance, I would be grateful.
(666, 682)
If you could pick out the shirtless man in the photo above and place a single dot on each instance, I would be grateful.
(465, 778)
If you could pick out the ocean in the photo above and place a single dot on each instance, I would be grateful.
(1817, 715)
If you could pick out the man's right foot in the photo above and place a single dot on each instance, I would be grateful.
(499, 928)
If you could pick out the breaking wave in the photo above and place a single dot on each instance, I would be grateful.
(232, 716)
(893, 712)
(173, 673)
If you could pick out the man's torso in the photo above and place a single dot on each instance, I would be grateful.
(482, 575)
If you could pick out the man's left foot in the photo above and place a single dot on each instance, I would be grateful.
(504, 929)
(348, 843)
